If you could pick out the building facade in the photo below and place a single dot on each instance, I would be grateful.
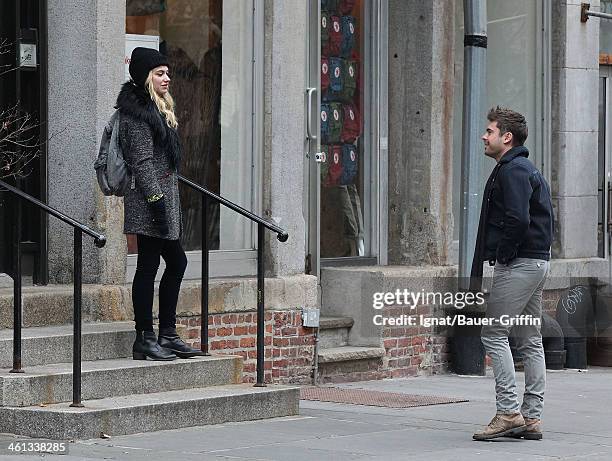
(340, 120)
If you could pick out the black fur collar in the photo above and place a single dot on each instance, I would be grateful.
(135, 101)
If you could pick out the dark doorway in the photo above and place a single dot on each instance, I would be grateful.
(23, 91)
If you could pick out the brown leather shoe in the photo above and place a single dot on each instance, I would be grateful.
(533, 431)
(502, 425)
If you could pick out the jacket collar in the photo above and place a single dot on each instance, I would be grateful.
(517, 151)
(135, 101)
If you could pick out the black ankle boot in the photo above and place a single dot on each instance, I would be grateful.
(169, 339)
(146, 345)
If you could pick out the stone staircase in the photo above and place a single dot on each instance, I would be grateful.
(338, 361)
(120, 395)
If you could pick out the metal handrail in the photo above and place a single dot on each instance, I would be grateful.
(281, 234)
(79, 229)
(99, 239)
(262, 224)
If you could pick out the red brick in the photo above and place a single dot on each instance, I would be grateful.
(281, 342)
(241, 331)
(252, 329)
(403, 342)
(194, 333)
(232, 344)
(224, 331)
(228, 318)
(247, 342)
(298, 340)
(218, 344)
(289, 331)
(390, 343)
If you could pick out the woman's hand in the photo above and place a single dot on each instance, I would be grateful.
(160, 222)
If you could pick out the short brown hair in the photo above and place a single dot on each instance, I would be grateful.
(509, 121)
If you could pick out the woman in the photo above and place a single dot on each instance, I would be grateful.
(151, 147)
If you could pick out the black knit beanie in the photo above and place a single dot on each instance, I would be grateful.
(142, 61)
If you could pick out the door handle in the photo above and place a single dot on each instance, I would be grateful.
(609, 207)
(309, 93)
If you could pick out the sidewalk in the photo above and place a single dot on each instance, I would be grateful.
(577, 426)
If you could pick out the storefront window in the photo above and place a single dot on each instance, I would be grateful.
(605, 33)
(514, 77)
(343, 106)
(209, 44)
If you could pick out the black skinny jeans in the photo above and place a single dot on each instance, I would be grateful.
(149, 251)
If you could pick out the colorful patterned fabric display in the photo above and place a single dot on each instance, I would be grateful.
(349, 164)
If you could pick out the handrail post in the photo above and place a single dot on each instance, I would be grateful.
(261, 320)
(205, 279)
(76, 339)
(17, 302)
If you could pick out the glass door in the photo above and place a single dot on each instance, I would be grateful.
(343, 143)
(604, 164)
(312, 146)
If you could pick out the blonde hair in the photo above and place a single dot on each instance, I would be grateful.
(165, 103)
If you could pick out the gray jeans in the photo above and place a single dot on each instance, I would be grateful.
(516, 296)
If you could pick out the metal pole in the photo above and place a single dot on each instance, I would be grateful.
(17, 302)
(260, 306)
(474, 98)
(76, 338)
(205, 279)
(468, 352)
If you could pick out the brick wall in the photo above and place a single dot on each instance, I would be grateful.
(289, 347)
(289, 353)
(413, 350)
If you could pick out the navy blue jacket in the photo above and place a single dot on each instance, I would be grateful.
(516, 219)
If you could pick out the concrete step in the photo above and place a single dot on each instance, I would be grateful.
(151, 412)
(116, 377)
(334, 331)
(350, 353)
(331, 322)
(42, 345)
(54, 305)
(349, 363)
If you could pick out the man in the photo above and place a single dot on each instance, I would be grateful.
(514, 234)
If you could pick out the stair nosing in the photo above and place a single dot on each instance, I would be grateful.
(151, 399)
(63, 368)
(374, 353)
(337, 322)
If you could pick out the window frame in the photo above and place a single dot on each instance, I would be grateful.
(242, 262)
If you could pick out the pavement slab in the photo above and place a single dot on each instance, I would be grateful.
(577, 427)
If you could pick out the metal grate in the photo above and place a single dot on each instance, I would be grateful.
(373, 398)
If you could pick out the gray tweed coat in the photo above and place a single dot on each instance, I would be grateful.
(152, 150)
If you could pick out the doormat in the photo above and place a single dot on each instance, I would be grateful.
(373, 398)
